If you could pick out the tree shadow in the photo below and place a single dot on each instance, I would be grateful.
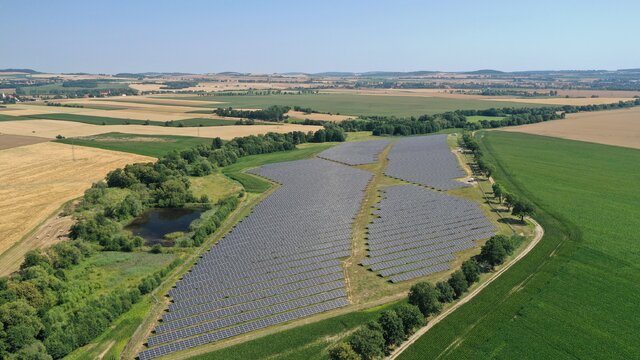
(511, 221)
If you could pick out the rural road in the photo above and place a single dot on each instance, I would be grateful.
(539, 233)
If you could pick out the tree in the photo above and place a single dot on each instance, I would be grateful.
(392, 327)
(33, 351)
(411, 317)
(522, 208)
(445, 292)
(459, 283)
(471, 271)
(498, 191)
(343, 351)
(495, 251)
(425, 297)
(509, 200)
(216, 143)
(21, 324)
(368, 343)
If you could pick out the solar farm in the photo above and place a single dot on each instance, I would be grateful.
(285, 260)
(425, 160)
(417, 231)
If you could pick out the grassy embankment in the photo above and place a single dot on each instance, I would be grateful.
(576, 295)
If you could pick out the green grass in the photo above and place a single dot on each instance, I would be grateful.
(577, 294)
(103, 120)
(478, 118)
(130, 143)
(49, 88)
(216, 186)
(310, 342)
(255, 184)
(351, 104)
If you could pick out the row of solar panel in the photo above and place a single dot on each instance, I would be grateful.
(355, 153)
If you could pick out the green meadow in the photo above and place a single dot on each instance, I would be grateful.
(352, 104)
(577, 294)
(103, 120)
(149, 145)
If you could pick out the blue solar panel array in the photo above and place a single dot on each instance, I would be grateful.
(418, 230)
(355, 153)
(425, 160)
(280, 263)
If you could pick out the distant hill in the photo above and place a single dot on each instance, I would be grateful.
(485, 72)
(26, 71)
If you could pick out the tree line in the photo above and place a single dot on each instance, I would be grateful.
(379, 337)
(518, 207)
(274, 113)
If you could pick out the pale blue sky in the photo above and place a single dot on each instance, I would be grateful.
(282, 36)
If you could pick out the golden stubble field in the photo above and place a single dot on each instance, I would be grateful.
(615, 127)
(51, 128)
(36, 180)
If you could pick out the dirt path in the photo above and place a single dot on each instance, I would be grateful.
(52, 230)
(539, 233)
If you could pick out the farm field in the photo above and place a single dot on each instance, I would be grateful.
(52, 128)
(576, 294)
(315, 116)
(565, 101)
(616, 127)
(357, 104)
(102, 120)
(35, 180)
(10, 141)
(147, 145)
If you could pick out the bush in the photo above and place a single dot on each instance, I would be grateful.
(156, 249)
(343, 351)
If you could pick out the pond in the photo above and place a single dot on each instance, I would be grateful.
(154, 224)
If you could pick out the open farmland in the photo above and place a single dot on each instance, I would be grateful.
(35, 180)
(617, 127)
(353, 104)
(10, 141)
(576, 294)
(51, 128)
(565, 101)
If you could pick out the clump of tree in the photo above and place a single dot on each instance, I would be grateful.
(175, 85)
(272, 113)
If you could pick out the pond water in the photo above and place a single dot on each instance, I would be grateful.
(154, 224)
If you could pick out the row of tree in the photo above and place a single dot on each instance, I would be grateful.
(518, 207)
(378, 338)
(272, 113)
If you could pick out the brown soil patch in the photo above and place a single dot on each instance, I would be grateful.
(35, 180)
(11, 141)
(51, 128)
(321, 117)
(615, 127)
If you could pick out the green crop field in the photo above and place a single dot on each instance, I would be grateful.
(149, 145)
(577, 294)
(351, 104)
(478, 118)
(103, 120)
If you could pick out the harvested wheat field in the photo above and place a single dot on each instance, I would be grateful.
(51, 128)
(321, 117)
(616, 127)
(564, 101)
(11, 141)
(35, 180)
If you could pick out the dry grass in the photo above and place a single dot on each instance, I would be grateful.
(35, 180)
(321, 117)
(51, 128)
(11, 141)
(223, 86)
(615, 127)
